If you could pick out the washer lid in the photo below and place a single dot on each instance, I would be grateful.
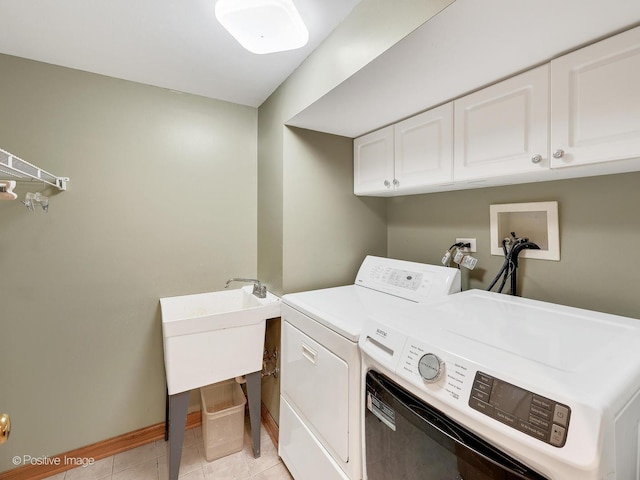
(540, 343)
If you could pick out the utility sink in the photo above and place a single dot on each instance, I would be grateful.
(210, 337)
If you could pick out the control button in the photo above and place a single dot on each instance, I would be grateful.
(483, 387)
(481, 406)
(505, 418)
(561, 415)
(541, 402)
(557, 435)
(540, 412)
(539, 422)
(430, 367)
(481, 377)
(483, 396)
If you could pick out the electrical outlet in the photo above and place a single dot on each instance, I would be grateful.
(471, 241)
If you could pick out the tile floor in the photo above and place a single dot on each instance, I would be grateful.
(149, 462)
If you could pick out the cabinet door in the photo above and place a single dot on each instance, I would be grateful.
(373, 163)
(424, 148)
(503, 129)
(595, 102)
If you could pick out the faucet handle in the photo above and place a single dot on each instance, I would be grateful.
(259, 289)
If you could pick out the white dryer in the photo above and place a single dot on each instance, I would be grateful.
(320, 404)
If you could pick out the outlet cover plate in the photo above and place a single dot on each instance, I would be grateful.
(471, 241)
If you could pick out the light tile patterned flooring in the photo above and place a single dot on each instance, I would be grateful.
(149, 462)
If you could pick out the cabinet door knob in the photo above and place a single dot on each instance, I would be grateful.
(5, 427)
(536, 159)
(396, 183)
(387, 183)
(558, 153)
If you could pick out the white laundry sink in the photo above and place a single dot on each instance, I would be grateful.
(210, 337)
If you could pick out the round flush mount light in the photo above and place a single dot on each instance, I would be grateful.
(263, 26)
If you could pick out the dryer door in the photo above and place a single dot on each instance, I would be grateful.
(316, 383)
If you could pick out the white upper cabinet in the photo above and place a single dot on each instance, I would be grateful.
(580, 110)
(595, 102)
(503, 129)
(423, 149)
(373, 163)
(406, 157)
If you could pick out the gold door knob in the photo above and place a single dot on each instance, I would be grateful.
(5, 427)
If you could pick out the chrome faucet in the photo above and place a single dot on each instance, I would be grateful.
(259, 289)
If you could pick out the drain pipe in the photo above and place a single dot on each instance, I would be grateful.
(515, 251)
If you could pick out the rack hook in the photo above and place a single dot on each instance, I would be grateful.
(30, 200)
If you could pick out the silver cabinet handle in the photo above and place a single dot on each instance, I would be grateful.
(396, 183)
(558, 153)
(536, 159)
(387, 183)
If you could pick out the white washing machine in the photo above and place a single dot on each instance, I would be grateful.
(501, 387)
(320, 407)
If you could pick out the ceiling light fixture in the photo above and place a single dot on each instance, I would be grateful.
(263, 26)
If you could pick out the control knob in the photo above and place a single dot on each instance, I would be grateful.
(430, 367)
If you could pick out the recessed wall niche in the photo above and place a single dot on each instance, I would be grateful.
(536, 221)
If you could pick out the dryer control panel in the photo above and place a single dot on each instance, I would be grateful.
(409, 280)
(537, 416)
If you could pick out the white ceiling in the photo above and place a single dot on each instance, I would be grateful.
(174, 44)
(178, 44)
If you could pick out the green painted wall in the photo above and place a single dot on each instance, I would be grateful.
(162, 201)
(599, 230)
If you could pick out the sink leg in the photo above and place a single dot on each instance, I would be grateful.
(166, 416)
(254, 385)
(178, 406)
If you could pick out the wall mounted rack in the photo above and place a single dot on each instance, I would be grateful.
(15, 168)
